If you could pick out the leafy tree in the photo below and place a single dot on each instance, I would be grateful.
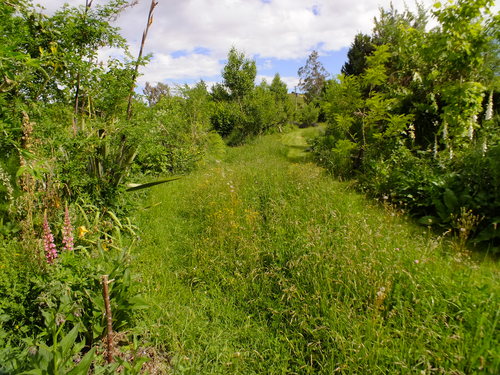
(279, 88)
(283, 104)
(239, 75)
(312, 77)
(359, 50)
(155, 93)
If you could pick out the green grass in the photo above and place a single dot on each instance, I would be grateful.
(296, 143)
(257, 265)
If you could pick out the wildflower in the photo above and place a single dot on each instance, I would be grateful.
(82, 231)
(48, 241)
(411, 132)
(5, 181)
(68, 239)
(445, 131)
(470, 131)
(489, 108)
(416, 261)
(381, 292)
(435, 148)
(484, 146)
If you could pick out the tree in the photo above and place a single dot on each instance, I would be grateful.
(312, 77)
(155, 93)
(239, 75)
(283, 104)
(360, 49)
(279, 88)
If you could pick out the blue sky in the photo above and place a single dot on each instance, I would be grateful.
(189, 39)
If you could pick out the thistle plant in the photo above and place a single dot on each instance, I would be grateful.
(68, 239)
(48, 241)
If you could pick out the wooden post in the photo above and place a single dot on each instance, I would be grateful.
(109, 319)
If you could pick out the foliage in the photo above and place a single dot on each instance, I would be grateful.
(308, 115)
(155, 93)
(412, 126)
(312, 77)
(359, 50)
(243, 110)
(55, 313)
(238, 75)
(177, 129)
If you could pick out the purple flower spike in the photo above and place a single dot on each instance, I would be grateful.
(68, 239)
(48, 241)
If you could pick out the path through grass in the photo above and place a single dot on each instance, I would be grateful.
(258, 265)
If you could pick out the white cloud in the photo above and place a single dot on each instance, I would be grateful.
(272, 29)
(275, 29)
(193, 66)
(284, 29)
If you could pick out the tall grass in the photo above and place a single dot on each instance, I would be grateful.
(259, 265)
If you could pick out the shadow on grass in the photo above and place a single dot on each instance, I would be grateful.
(297, 146)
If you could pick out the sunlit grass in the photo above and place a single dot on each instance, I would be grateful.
(259, 265)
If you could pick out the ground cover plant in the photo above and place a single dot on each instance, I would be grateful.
(261, 265)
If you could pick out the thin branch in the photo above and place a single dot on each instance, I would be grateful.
(154, 3)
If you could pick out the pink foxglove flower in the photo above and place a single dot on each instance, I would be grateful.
(48, 241)
(68, 239)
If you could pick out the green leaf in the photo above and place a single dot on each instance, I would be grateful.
(32, 372)
(450, 200)
(84, 365)
(441, 210)
(133, 187)
(68, 340)
(138, 303)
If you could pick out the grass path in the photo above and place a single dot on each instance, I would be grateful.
(259, 265)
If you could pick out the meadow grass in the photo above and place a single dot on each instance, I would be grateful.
(257, 265)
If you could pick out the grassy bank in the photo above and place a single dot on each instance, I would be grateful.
(262, 265)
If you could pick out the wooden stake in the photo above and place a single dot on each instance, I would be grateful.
(109, 319)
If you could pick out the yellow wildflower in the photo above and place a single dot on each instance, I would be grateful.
(82, 231)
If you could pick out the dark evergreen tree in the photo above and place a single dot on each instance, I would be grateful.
(360, 48)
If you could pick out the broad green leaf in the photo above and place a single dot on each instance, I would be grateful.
(450, 200)
(68, 340)
(133, 187)
(83, 367)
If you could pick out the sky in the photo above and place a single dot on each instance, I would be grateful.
(190, 39)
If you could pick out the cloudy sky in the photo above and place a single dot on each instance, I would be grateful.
(189, 39)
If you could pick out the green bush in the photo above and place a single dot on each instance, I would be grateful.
(442, 193)
(308, 115)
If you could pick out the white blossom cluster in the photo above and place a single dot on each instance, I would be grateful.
(5, 182)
